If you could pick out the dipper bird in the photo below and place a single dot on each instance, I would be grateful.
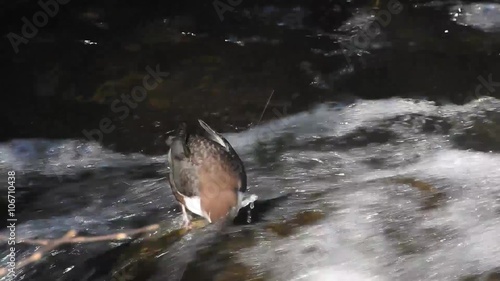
(207, 177)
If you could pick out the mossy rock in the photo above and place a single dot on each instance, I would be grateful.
(287, 228)
(431, 197)
(271, 152)
(218, 260)
(481, 134)
(487, 276)
(157, 97)
(420, 185)
(139, 260)
(112, 89)
(237, 272)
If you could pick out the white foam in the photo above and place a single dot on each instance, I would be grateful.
(457, 239)
(338, 274)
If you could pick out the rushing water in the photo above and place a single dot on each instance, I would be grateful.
(392, 189)
(373, 190)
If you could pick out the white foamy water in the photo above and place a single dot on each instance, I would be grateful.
(484, 16)
(378, 230)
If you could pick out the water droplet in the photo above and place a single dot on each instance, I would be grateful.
(68, 269)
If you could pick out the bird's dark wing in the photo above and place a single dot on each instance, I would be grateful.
(236, 163)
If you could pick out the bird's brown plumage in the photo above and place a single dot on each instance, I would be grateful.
(209, 171)
(218, 188)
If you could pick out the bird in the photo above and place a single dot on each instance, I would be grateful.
(207, 177)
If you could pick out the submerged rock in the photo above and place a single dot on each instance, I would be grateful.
(287, 228)
(487, 276)
(138, 261)
(480, 132)
(431, 197)
(237, 272)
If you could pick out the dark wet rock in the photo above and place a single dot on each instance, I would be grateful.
(431, 197)
(422, 123)
(270, 152)
(135, 261)
(231, 271)
(281, 229)
(237, 272)
(377, 162)
(402, 242)
(482, 133)
(436, 200)
(493, 275)
(213, 261)
(289, 227)
(408, 238)
(384, 131)
(420, 185)
(217, 261)
(361, 137)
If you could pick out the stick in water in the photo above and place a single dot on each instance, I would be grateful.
(263, 111)
(47, 245)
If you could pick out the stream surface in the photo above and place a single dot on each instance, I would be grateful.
(373, 190)
(375, 160)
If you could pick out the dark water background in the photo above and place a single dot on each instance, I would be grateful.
(376, 159)
(57, 85)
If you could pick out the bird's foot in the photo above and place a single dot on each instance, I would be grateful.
(185, 218)
(188, 225)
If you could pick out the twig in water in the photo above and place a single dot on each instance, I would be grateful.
(263, 111)
(70, 237)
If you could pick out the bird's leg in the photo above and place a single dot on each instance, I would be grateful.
(178, 197)
(185, 218)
